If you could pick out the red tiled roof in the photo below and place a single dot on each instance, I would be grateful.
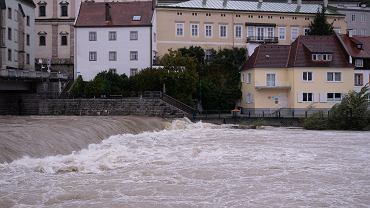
(299, 54)
(92, 14)
(350, 45)
(269, 56)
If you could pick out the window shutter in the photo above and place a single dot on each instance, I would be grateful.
(316, 97)
(323, 98)
(362, 79)
(300, 97)
(251, 97)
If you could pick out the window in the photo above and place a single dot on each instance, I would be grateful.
(113, 70)
(136, 18)
(28, 21)
(306, 31)
(9, 54)
(16, 15)
(133, 71)
(92, 36)
(363, 18)
(359, 79)
(322, 57)
(27, 39)
(337, 30)
(27, 58)
(112, 56)
(260, 33)
(93, 56)
(64, 40)
(334, 76)
(238, 31)
(334, 96)
(112, 35)
(359, 62)
(223, 31)
(282, 33)
(294, 33)
(16, 36)
(10, 13)
(64, 10)
(42, 11)
(250, 31)
(134, 35)
(194, 30)
(10, 33)
(270, 80)
(208, 31)
(307, 97)
(307, 76)
(249, 78)
(270, 32)
(133, 55)
(209, 54)
(42, 40)
(248, 98)
(353, 17)
(179, 29)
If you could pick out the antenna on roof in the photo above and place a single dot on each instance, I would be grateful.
(225, 3)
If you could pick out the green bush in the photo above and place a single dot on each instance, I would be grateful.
(315, 122)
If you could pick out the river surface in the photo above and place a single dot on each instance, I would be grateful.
(198, 165)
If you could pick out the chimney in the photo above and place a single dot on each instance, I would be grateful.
(289, 1)
(299, 3)
(108, 16)
(225, 3)
(326, 2)
(204, 2)
(260, 1)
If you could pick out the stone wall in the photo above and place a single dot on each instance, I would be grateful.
(126, 106)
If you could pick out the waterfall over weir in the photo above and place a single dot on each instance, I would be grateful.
(40, 136)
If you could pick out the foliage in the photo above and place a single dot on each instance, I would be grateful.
(316, 122)
(185, 74)
(320, 25)
(351, 114)
(77, 89)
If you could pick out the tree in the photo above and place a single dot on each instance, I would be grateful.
(320, 25)
(78, 87)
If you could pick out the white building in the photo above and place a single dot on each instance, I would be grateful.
(113, 36)
(17, 19)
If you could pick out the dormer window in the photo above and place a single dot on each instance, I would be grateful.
(359, 62)
(322, 57)
(359, 46)
(136, 18)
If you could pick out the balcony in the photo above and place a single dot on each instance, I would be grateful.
(280, 85)
(259, 39)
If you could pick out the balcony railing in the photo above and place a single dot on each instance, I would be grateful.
(259, 39)
(280, 85)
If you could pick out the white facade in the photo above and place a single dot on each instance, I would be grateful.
(18, 34)
(123, 46)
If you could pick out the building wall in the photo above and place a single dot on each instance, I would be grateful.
(168, 17)
(14, 45)
(123, 45)
(366, 78)
(290, 85)
(358, 19)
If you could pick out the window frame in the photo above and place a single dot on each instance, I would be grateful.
(179, 26)
(42, 40)
(306, 96)
(291, 32)
(221, 35)
(334, 76)
(93, 56)
(133, 71)
(93, 36)
(112, 35)
(334, 97)
(359, 62)
(64, 40)
(196, 28)
(42, 10)
(134, 35)
(360, 78)
(284, 28)
(308, 73)
(210, 30)
(238, 33)
(64, 12)
(134, 55)
(271, 83)
(112, 56)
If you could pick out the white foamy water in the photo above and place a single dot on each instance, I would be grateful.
(199, 165)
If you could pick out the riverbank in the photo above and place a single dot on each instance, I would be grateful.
(41, 136)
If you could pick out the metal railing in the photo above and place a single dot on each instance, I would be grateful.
(180, 105)
(259, 39)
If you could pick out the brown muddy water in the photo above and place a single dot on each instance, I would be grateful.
(187, 165)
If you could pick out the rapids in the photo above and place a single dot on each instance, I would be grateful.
(198, 165)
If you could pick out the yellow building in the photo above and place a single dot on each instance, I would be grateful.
(217, 24)
(311, 74)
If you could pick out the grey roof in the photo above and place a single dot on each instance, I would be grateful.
(251, 6)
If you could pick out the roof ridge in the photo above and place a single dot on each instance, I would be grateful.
(296, 51)
(287, 61)
(255, 60)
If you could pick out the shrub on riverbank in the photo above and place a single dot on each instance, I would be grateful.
(351, 114)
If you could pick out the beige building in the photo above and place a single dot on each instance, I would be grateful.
(311, 74)
(55, 35)
(216, 24)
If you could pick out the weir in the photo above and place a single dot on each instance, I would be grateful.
(41, 136)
